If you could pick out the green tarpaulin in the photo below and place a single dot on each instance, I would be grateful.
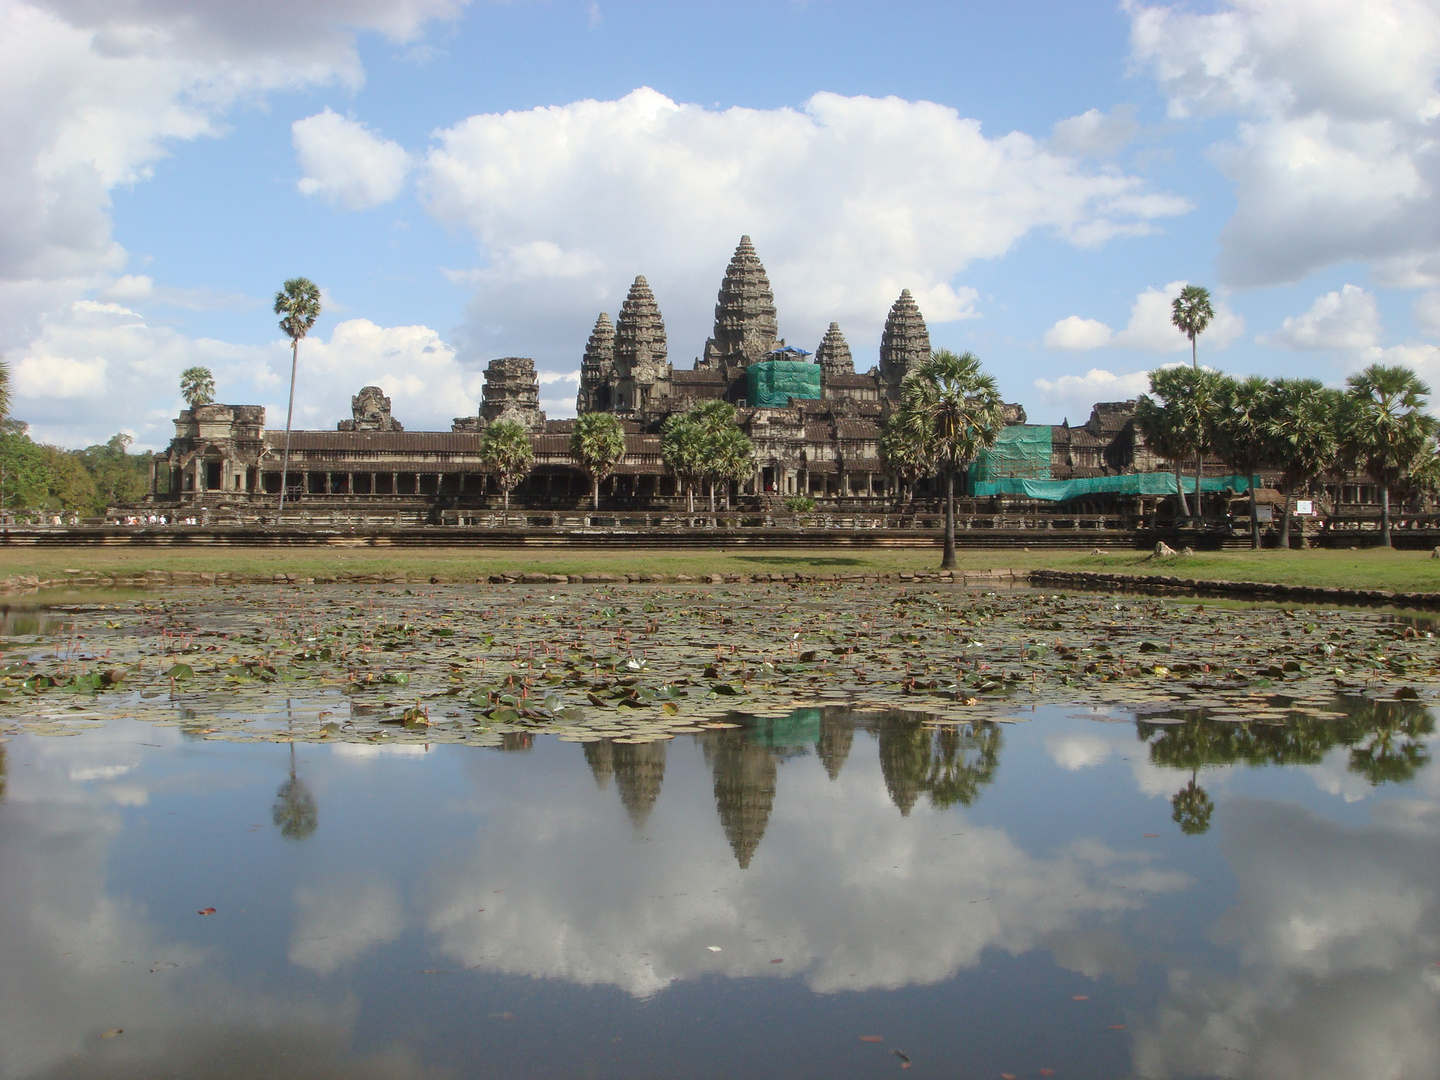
(1020, 451)
(1162, 483)
(770, 384)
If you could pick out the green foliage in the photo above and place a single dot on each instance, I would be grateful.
(1385, 427)
(1191, 313)
(299, 302)
(119, 476)
(506, 452)
(904, 456)
(597, 445)
(4, 388)
(704, 444)
(952, 408)
(197, 386)
(800, 504)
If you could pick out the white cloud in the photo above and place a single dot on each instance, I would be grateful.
(1094, 133)
(1149, 328)
(1075, 394)
(1076, 750)
(98, 362)
(346, 163)
(1344, 321)
(570, 202)
(1077, 333)
(1333, 157)
(93, 94)
(1426, 311)
(327, 935)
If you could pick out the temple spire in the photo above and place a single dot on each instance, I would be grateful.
(833, 353)
(640, 352)
(745, 327)
(904, 345)
(597, 368)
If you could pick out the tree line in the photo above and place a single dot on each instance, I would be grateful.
(36, 478)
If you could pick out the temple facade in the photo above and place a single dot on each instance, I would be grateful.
(815, 421)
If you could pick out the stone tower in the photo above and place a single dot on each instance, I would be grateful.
(833, 354)
(640, 365)
(370, 411)
(904, 345)
(639, 772)
(745, 325)
(512, 392)
(597, 369)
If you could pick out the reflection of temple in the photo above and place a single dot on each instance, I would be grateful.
(814, 421)
(745, 774)
(638, 769)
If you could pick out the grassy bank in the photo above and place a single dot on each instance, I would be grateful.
(1406, 571)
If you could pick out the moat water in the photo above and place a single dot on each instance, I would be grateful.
(823, 894)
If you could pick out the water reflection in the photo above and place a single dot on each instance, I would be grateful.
(554, 912)
(295, 813)
(1384, 739)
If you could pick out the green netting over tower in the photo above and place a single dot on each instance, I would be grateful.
(770, 384)
(1021, 452)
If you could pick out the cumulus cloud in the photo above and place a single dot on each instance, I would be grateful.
(95, 362)
(1094, 133)
(1149, 328)
(1343, 321)
(848, 199)
(1077, 333)
(1075, 394)
(1426, 311)
(1333, 157)
(345, 163)
(92, 94)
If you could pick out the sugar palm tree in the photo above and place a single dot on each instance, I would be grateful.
(197, 386)
(1386, 426)
(1304, 434)
(597, 445)
(298, 301)
(4, 388)
(505, 450)
(1242, 433)
(730, 458)
(1164, 430)
(1190, 400)
(952, 407)
(904, 458)
(682, 447)
(1191, 313)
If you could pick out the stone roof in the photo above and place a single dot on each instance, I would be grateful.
(696, 377)
(386, 442)
(846, 430)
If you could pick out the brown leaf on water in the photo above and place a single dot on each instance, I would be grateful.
(1080, 997)
(1047, 1072)
(872, 1038)
(1117, 1027)
(1007, 1076)
(777, 961)
(206, 911)
(111, 1033)
(1150, 835)
(904, 1058)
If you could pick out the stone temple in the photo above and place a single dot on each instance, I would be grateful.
(814, 420)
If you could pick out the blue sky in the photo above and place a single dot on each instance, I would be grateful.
(472, 180)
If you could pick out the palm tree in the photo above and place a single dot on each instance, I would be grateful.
(197, 386)
(1242, 434)
(1191, 313)
(294, 813)
(904, 458)
(1386, 427)
(4, 388)
(1163, 428)
(1190, 400)
(299, 302)
(682, 447)
(505, 450)
(597, 444)
(952, 407)
(730, 458)
(1304, 437)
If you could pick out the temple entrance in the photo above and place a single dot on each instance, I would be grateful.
(213, 476)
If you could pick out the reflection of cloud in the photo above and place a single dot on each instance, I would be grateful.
(849, 893)
(339, 925)
(1078, 750)
(1335, 927)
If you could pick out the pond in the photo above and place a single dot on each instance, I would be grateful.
(1179, 887)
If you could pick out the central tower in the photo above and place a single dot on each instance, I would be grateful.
(745, 328)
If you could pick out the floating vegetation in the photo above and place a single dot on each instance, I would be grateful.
(485, 665)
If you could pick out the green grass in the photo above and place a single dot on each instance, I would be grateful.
(1400, 571)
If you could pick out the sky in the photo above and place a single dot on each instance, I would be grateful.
(470, 179)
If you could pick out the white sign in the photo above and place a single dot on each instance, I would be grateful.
(1304, 506)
